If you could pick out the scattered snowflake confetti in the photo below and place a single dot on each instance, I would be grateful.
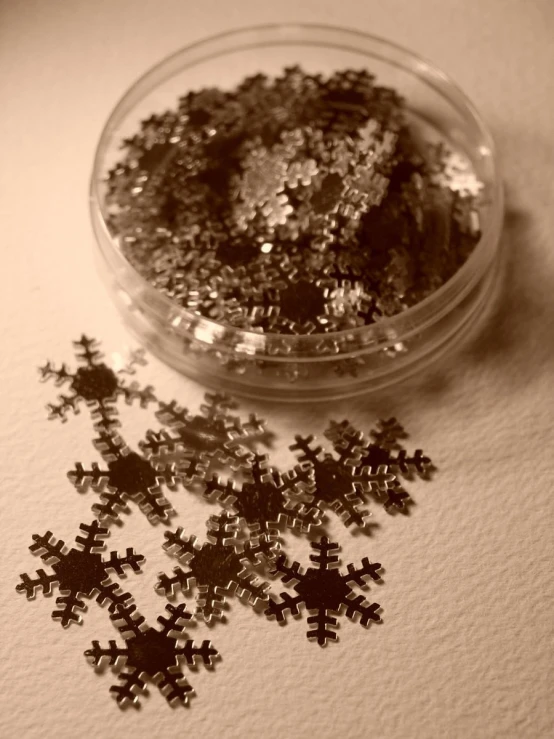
(253, 492)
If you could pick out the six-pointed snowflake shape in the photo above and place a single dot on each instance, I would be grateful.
(338, 484)
(213, 432)
(79, 572)
(132, 476)
(93, 383)
(325, 591)
(218, 567)
(268, 499)
(383, 449)
(151, 653)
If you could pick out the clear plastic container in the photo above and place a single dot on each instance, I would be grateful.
(317, 366)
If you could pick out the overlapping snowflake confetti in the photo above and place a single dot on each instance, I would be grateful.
(300, 204)
(217, 454)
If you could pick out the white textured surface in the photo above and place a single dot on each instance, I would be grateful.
(465, 649)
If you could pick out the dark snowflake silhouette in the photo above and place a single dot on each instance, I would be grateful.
(219, 567)
(214, 432)
(151, 653)
(326, 591)
(338, 484)
(269, 499)
(132, 476)
(95, 384)
(79, 573)
(381, 447)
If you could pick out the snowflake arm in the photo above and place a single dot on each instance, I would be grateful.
(210, 603)
(377, 480)
(367, 612)
(287, 572)
(49, 372)
(205, 652)
(349, 509)
(324, 624)
(93, 537)
(47, 547)
(388, 433)
(397, 499)
(69, 613)
(60, 410)
(135, 392)
(260, 550)
(84, 480)
(112, 594)
(223, 492)
(180, 545)
(155, 505)
(288, 603)
(100, 657)
(112, 503)
(408, 463)
(117, 563)
(168, 586)
(127, 693)
(360, 575)
(174, 686)
(42, 583)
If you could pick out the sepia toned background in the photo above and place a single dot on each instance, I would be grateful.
(465, 647)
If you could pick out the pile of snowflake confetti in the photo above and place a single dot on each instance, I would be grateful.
(216, 454)
(299, 204)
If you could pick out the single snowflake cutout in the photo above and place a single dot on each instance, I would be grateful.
(219, 567)
(366, 188)
(265, 174)
(267, 499)
(79, 573)
(450, 169)
(301, 172)
(214, 432)
(93, 383)
(151, 653)
(338, 485)
(325, 591)
(382, 448)
(276, 210)
(133, 476)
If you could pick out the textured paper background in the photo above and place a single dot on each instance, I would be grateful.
(465, 649)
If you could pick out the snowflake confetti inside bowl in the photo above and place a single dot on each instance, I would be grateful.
(281, 353)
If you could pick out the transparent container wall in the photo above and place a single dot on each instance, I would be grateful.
(365, 359)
